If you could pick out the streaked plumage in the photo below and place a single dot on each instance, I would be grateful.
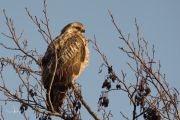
(73, 56)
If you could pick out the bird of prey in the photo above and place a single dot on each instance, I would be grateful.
(72, 58)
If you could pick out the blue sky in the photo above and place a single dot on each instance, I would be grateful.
(158, 22)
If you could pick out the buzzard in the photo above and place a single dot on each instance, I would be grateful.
(72, 55)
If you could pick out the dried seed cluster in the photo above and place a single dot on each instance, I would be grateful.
(106, 84)
(152, 114)
(23, 107)
(45, 117)
(103, 101)
(32, 93)
(142, 91)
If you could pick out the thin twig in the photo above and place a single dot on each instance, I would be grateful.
(85, 104)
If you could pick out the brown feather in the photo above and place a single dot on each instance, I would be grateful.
(73, 55)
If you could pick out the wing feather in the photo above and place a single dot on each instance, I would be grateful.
(71, 52)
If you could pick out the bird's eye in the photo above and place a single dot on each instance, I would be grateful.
(77, 28)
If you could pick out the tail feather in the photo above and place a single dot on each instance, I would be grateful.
(57, 95)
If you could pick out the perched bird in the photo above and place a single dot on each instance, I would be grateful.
(72, 58)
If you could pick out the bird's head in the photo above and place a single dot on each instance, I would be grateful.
(75, 27)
